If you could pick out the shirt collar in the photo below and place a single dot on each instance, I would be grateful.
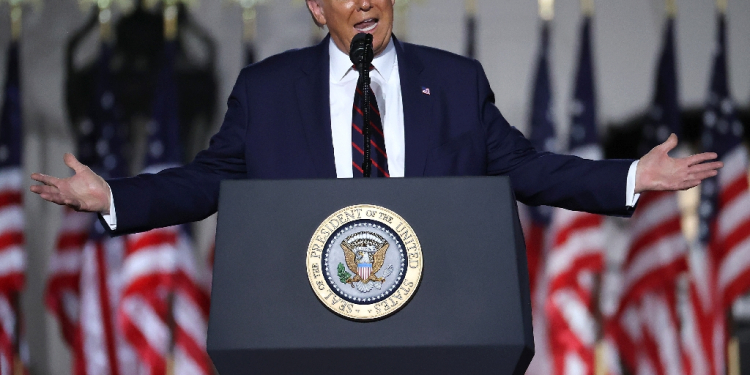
(341, 65)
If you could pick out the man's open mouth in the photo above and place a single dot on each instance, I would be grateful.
(367, 25)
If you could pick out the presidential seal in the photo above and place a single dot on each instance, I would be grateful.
(364, 262)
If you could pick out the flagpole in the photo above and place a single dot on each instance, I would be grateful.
(471, 28)
(16, 20)
(249, 27)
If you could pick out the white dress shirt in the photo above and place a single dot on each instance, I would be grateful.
(386, 84)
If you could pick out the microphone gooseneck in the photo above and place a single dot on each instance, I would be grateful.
(361, 55)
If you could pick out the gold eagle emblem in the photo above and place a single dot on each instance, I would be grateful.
(365, 254)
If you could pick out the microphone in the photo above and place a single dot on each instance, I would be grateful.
(360, 51)
(361, 54)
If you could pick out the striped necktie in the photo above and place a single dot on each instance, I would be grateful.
(377, 141)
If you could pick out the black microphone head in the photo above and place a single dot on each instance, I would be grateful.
(361, 50)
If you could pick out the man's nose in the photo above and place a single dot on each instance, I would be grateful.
(365, 5)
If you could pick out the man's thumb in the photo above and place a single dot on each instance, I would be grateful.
(670, 143)
(73, 163)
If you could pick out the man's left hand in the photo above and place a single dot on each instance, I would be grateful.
(658, 171)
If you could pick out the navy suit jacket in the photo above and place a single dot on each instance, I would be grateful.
(278, 126)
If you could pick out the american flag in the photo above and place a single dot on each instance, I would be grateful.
(83, 289)
(536, 220)
(657, 253)
(12, 254)
(542, 138)
(720, 266)
(576, 253)
(163, 284)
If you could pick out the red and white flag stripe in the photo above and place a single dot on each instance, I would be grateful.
(572, 332)
(105, 350)
(191, 308)
(7, 334)
(160, 269)
(703, 320)
(578, 243)
(12, 265)
(720, 272)
(12, 255)
(62, 296)
(732, 229)
(657, 254)
(661, 332)
(144, 310)
(576, 255)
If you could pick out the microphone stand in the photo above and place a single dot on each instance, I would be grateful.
(364, 74)
(361, 55)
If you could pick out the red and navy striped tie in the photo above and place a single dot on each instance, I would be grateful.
(378, 154)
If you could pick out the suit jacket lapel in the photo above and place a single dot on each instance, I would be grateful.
(313, 96)
(418, 112)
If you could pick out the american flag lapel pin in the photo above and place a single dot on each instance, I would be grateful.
(426, 90)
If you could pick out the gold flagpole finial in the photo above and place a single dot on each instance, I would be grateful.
(106, 8)
(721, 5)
(587, 8)
(16, 15)
(471, 7)
(249, 18)
(401, 8)
(16, 22)
(671, 8)
(547, 9)
(171, 12)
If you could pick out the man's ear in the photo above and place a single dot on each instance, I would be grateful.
(316, 11)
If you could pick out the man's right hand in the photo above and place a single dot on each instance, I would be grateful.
(85, 191)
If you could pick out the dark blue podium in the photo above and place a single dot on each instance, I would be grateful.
(471, 313)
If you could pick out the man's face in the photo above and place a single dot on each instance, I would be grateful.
(347, 18)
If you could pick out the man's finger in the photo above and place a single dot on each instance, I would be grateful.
(44, 189)
(706, 167)
(702, 175)
(700, 158)
(53, 197)
(43, 178)
(73, 163)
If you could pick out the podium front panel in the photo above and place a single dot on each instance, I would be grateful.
(471, 312)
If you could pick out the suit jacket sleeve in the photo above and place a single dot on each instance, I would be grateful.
(542, 178)
(189, 193)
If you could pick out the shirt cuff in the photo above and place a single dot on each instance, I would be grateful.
(111, 218)
(631, 198)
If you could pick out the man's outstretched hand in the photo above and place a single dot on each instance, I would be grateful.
(657, 171)
(85, 191)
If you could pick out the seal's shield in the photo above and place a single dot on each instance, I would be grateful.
(364, 270)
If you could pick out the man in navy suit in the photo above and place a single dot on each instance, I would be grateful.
(290, 116)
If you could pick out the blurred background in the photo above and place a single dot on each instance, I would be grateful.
(137, 85)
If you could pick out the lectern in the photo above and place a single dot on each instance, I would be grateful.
(370, 276)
